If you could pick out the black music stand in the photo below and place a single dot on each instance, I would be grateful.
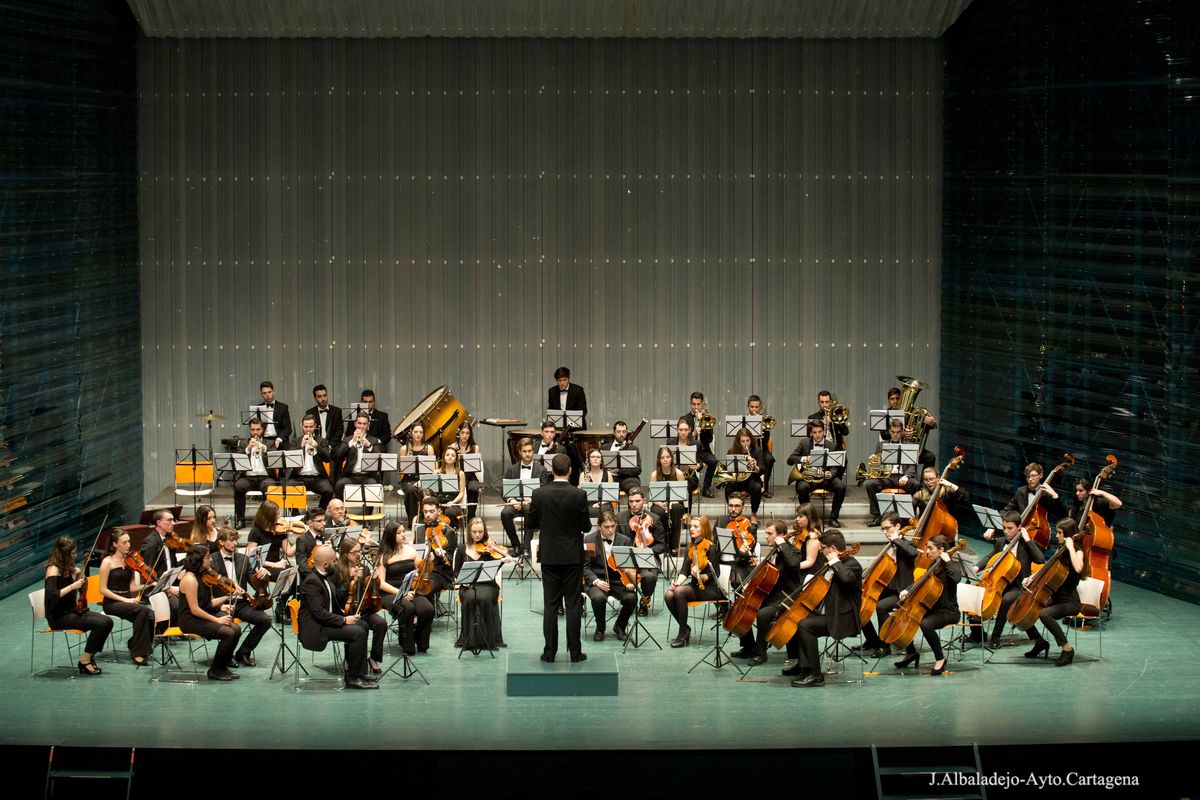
(716, 657)
(192, 457)
(881, 418)
(636, 559)
(471, 574)
(669, 492)
(604, 492)
(751, 422)
(521, 489)
(615, 460)
(283, 462)
(898, 503)
(287, 579)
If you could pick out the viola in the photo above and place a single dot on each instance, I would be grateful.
(742, 537)
(437, 541)
(210, 577)
(698, 555)
(804, 602)
(283, 527)
(177, 543)
(936, 518)
(262, 593)
(628, 577)
(1036, 596)
(753, 592)
(1034, 519)
(370, 602)
(1098, 545)
(905, 620)
(641, 527)
(136, 563)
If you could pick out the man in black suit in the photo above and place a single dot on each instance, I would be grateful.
(602, 580)
(567, 396)
(229, 563)
(839, 617)
(632, 523)
(897, 476)
(307, 542)
(154, 551)
(320, 621)
(258, 477)
(380, 427)
(627, 478)
(560, 511)
(314, 452)
(754, 407)
(526, 468)
(279, 428)
(704, 453)
(832, 477)
(835, 431)
(330, 426)
(352, 448)
(548, 445)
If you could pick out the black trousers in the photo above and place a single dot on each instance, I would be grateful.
(837, 486)
(1050, 616)
(508, 520)
(319, 484)
(709, 464)
(626, 597)
(415, 620)
(354, 640)
(752, 487)
(258, 621)
(98, 628)
(227, 635)
(246, 483)
(889, 599)
(141, 618)
(811, 628)
(875, 486)
(934, 621)
(1010, 596)
(562, 583)
(377, 626)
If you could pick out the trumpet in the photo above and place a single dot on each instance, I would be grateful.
(705, 420)
(256, 447)
(310, 445)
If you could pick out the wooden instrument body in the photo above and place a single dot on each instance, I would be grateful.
(698, 553)
(742, 614)
(905, 620)
(940, 520)
(1002, 569)
(422, 582)
(1044, 583)
(1038, 525)
(877, 578)
(804, 602)
(262, 593)
(1099, 552)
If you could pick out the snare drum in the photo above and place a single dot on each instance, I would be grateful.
(441, 414)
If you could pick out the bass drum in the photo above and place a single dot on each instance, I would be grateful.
(441, 414)
(517, 434)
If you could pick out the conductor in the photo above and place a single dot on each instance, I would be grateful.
(560, 511)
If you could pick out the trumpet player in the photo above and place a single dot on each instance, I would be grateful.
(358, 443)
(754, 407)
(830, 479)
(256, 478)
(701, 423)
(836, 431)
(314, 453)
(748, 482)
(893, 476)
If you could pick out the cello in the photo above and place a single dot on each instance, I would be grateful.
(804, 602)
(936, 518)
(1034, 519)
(905, 620)
(754, 591)
(1025, 611)
(1098, 544)
(877, 578)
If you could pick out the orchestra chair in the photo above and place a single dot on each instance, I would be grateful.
(970, 623)
(1090, 591)
(699, 609)
(37, 603)
(297, 497)
(162, 616)
(368, 497)
(836, 651)
(194, 483)
(823, 497)
(310, 683)
(120, 626)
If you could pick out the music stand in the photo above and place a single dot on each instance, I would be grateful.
(403, 665)
(716, 657)
(636, 559)
(799, 428)
(826, 459)
(601, 492)
(353, 410)
(880, 418)
(988, 517)
(470, 574)
(166, 580)
(615, 460)
(736, 462)
(283, 462)
(284, 584)
(267, 415)
(521, 489)
(440, 482)
(564, 419)
(335, 534)
(751, 422)
(899, 455)
(231, 462)
(662, 428)
(194, 460)
(685, 455)
(546, 460)
(900, 504)
(364, 494)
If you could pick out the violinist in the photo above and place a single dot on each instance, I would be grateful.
(161, 558)
(788, 557)
(627, 478)
(413, 612)
(526, 469)
(1105, 504)
(410, 484)
(594, 472)
(208, 614)
(942, 613)
(270, 530)
(121, 587)
(453, 503)
(604, 580)
(744, 444)
(306, 543)
(1027, 553)
(838, 614)
(906, 556)
(665, 470)
(232, 565)
(464, 440)
(257, 477)
(697, 580)
(314, 451)
(63, 583)
(1050, 502)
(832, 480)
(204, 529)
(442, 540)
(899, 476)
(754, 407)
(482, 599)
(746, 530)
(644, 529)
(350, 574)
(1065, 600)
(321, 620)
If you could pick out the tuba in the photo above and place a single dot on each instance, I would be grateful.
(914, 415)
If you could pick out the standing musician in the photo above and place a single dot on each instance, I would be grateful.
(1027, 553)
(704, 453)
(838, 615)
(379, 426)
(63, 583)
(346, 456)
(321, 620)
(1065, 600)
(627, 478)
(122, 589)
(464, 440)
(787, 559)
(900, 476)
(644, 529)
(413, 612)
(437, 528)
(350, 568)
(196, 613)
(279, 428)
(595, 472)
(665, 470)
(231, 564)
(604, 580)
(754, 407)
(314, 452)
(836, 431)
(524, 469)
(257, 477)
(453, 503)
(953, 495)
(743, 444)
(746, 529)
(942, 613)
(155, 552)
(204, 527)
(482, 599)
(906, 557)
(893, 404)
(329, 417)
(693, 583)
(832, 479)
(567, 396)
(1049, 500)
(410, 484)
(307, 542)
(1105, 504)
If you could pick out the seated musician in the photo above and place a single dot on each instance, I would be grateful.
(443, 540)
(328, 418)
(480, 601)
(694, 582)
(453, 503)
(413, 612)
(704, 454)
(231, 564)
(832, 478)
(594, 472)
(464, 440)
(161, 558)
(743, 558)
(205, 613)
(379, 426)
(604, 580)
(548, 444)
(906, 556)
(743, 444)
(953, 495)
(279, 429)
(204, 527)
(350, 568)
(527, 468)
(1049, 500)
(1065, 600)
(1105, 503)
(837, 616)
(787, 559)
(754, 407)
(63, 583)
(268, 529)
(627, 478)
(314, 453)
(410, 484)
(1027, 552)
(644, 529)
(685, 437)
(257, 477)
(321, 620)
(665, 470)
(355, 445)
(898, 476)
(836, 431)
(306, 543)
(893, 404)
(940, 614)
(122, 590)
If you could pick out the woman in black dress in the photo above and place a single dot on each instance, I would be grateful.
(122, 591)
(482, 599)
(63, 582)
(686, 586)
(413, 612)
(196, 612)
(1065, 600)
(941, 613)
(204, 528)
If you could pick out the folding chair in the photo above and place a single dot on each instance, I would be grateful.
(162, 615)
(194, 481)
(37, 603)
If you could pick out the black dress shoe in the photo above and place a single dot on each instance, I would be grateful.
(643, 609)
(834, 523)
(758, 659)
(1064, 658)
(359, 683)
(549, 659)
(220, 675)
(709, 492)
(767, 493)
(620, 633)
(812, 679)
(598, 636)
(913, 659)
(245, 660)
(745, 652)
(577, 657)
(792, 671)
(874, 523)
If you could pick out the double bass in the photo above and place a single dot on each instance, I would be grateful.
(905, 620)
(805, 601)
(936, 518)
(1098, 544)
(754, 591)
(1034, 519)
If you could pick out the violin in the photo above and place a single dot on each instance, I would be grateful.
(283, 527)
(262, 592)
(210, 577)
(177, 543)
(495, 550)
(628, 577)
(81, 602)
(905, 620)
(805, 602)
(422, 582)
(754, 591)
(698, 555)
(437, 541)
(641, 527)
(136, 563)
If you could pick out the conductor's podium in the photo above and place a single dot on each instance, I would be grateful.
(528, 676)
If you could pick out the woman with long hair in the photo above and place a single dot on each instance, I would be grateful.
(208, 615)
(63, 583)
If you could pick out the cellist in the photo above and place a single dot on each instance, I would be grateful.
(1027, 552)
(839, 611)
(787, 558)
(349, 568)
(1049, 501)
(1065, 600)
(604, 580)
(942, 613)
(906, 557)
(953, 495)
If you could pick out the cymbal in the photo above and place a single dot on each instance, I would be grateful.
(500, 423)
(209, 417)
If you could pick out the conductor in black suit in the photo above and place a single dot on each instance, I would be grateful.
(560, 511)
(330, 426)
(320, 622)
(279, 428)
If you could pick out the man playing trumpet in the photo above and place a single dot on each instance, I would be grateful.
(314, 452)
(256, 478)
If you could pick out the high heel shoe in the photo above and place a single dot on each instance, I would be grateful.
(1042, 646)
(912, 658)
(938, 670)
(89, 668)
(138, 661)
(1064, 658)
(683, 639)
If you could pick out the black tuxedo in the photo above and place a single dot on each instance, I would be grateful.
(305, 544)
(1054, 506)
(890, 481)
(320, 621)
(247, 482)
(335, 425)
(259, 621)
(704, 453)
(658, 547)
(560, 511)
(595, 569)
(905, 556)
(836, 484)
(839, 612)
(373, 623)
(380, 427)
(282, 421)
(834, 431)
(345, 460)
(508, 514)
(320, 482)
(627, 478)
(576, 400)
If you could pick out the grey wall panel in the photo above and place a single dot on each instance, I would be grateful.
(660, 215)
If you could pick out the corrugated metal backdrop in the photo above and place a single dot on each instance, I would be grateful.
(660, 215)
